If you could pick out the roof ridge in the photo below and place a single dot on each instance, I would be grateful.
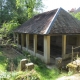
(52, 22)
(44, 12)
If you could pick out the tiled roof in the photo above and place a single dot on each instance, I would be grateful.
(51, 22)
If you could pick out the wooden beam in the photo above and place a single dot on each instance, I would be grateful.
(63, 46)
(27, 41)
(35, 44)
(47, 49)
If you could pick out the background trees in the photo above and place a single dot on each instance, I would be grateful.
(20, 10)
(76, 15)
(15, 12)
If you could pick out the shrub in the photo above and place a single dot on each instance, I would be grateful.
(7, 28)
(32, 75)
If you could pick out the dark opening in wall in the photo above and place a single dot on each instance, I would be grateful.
(55, 46)
(24, 36)
(19, 39)
(31, 41)
(71, 41)
(40, 44)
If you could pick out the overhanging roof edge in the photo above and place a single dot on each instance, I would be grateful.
(52, 22)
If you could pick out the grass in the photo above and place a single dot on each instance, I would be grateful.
(0, 36)
(47, 74)
(2, 61)
(5, 59)
(44, 72)
(40, 68)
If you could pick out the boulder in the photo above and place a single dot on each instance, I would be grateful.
(74, 66)
(22, 64)
(29, 66)
(58, 61)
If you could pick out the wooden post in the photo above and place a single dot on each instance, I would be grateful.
(63, 46)
(35, 44)
(27, 41)
(47, 49)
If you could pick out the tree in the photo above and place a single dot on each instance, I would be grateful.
(15, 12)
(77, 16)
(30, 6)
(20, 10)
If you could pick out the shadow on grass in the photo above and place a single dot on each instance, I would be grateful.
(47, 74)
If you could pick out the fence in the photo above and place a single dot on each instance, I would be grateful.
(73, 48)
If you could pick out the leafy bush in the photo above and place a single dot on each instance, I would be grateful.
(32, 75)
(7, 28)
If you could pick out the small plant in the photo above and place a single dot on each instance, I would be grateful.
(32, 75)
(6, 31)
(12, 64)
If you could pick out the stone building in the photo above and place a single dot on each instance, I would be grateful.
(48, 35)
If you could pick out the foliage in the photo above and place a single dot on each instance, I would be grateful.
(7, 28)
(5, 62)
(76, 15)
(41, 69)
(32, 75)
(21, 10)
(2, 61)
(15, 12)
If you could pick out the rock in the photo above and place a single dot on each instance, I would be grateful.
(29, 66)
(58, 61)
(22, 64)
(74, 66)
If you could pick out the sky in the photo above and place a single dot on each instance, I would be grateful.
(65, 4)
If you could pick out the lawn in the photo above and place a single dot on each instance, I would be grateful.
(40, 69)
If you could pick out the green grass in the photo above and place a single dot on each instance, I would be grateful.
(44, 72)
(40, 67)
(47, 74)
(3, 60)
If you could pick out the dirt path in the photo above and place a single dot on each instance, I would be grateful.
(11, 53)
(66, 77)
(73, 77)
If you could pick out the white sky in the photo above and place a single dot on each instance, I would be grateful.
(65, 4)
